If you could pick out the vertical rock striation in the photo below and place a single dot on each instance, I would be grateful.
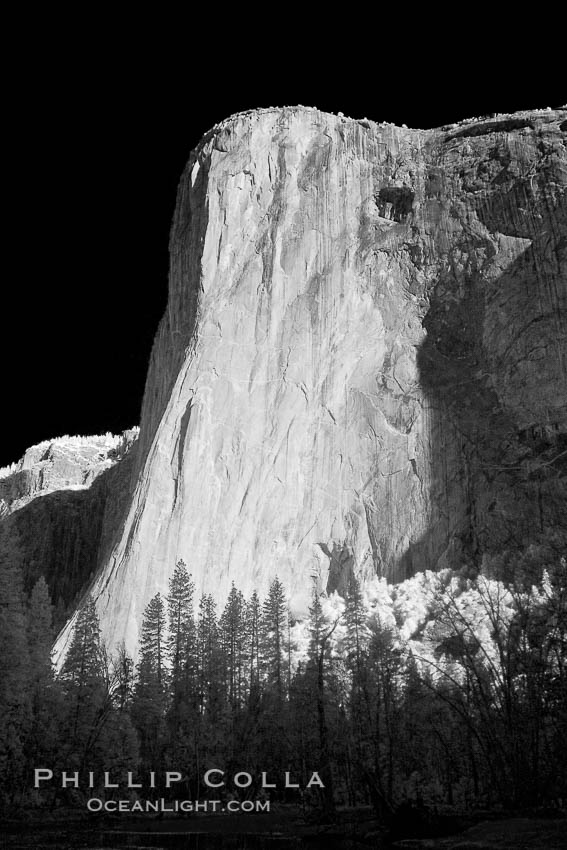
(362, 362)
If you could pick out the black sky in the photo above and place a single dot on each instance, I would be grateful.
(97, 148)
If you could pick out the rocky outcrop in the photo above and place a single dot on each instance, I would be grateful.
(65, 463)
(361, 367)
(61, 506)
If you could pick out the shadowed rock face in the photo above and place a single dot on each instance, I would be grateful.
(361, 367)
(60, 508)
(64, 463)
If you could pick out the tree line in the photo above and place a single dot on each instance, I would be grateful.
(457, 720)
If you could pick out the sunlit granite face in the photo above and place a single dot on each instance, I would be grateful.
(361, 364)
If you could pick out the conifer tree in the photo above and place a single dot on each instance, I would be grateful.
(211, 674)
(117, 747)
(85, 682)
(357, 631)
(289, 647)
(356, 658)
(45, 697)
(180, 647)
(149, 702)
(386, 666)
(14, 673)
(317, 626)
(210, 716)
(233, 634)
(319, 658)
(253, 631)
(40, 631)
(182, 654)
(83, 663)
(14, 658)
(153, 643)
(123, 679)
(274, 633)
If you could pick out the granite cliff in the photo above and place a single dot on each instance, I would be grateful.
(60, 507)
(361, 367)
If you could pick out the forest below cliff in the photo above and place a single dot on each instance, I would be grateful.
(445, 692)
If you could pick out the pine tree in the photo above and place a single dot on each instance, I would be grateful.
(386, 666)
(317, 626)
(85, 683)
(210, 716)
(40, 631)
(14, 658)
(233, 634)
(253, 632)
(357, 631)
(84, 663)
(149, 700)
(180, 647)
(45, 696)
(123, 679)
(356, 658)
(153, 643)
(14, 676)
(211, 673)
(319, 660)
(274, 632)
(182, 654)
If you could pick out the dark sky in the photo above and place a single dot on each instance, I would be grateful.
(97, 149)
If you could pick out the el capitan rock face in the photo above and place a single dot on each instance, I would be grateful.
(361, 366)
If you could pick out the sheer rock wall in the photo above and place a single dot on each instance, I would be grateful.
(362, 362)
